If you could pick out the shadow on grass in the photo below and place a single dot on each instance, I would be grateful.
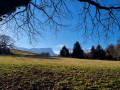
(48, 57)
(104, 59)
(95, 59)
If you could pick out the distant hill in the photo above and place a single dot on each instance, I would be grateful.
(38, 50)
(21, 52)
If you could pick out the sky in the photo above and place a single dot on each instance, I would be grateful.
(56, 40)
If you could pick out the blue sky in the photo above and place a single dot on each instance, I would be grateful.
(67, 37)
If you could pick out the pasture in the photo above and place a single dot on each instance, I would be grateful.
(55, 73)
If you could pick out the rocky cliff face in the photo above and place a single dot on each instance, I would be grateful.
(43, 50)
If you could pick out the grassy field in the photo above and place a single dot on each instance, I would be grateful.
(55, 73)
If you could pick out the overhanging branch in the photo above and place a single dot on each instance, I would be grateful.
(98, 5)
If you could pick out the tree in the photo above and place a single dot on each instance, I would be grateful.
(64, 52)
(92, 54)
(108, 55)
(77, 51)
(117, 49)
(25, 15)
(110, 51)
(10, 6)
(6, 43)
(102, 17)
(100, 53)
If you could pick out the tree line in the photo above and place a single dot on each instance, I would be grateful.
(112, 52)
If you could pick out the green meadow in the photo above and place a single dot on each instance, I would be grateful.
(25, 72)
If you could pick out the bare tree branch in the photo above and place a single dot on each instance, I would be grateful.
(95, 18)
(97, 5)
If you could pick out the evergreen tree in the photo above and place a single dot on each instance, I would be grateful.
(100, 53)
(64, 52)
(77, 51)
(92, 53)
(98, 49)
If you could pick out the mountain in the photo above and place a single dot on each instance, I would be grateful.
(38, 50)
